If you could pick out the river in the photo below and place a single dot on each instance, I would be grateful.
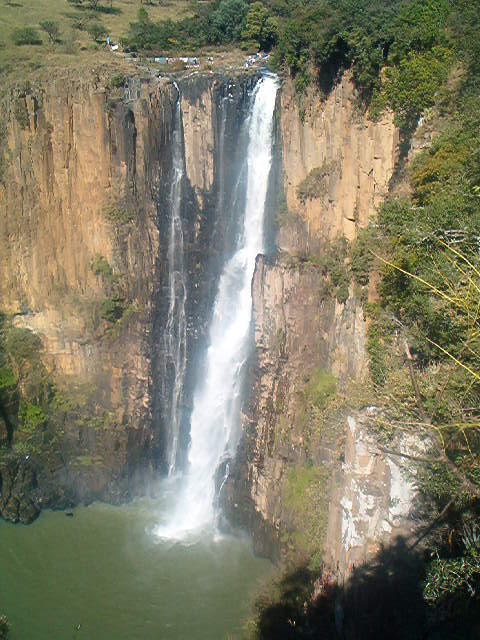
(103, 575)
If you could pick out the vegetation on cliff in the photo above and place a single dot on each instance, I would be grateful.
(49, 431)
(418, 261)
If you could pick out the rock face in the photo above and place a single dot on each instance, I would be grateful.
(85, 218)
(84, 224)
(373, 494)
(355, 158)
(304, 337)
(300, 332)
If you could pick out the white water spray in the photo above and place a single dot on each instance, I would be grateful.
(215, 421)
(175, 334)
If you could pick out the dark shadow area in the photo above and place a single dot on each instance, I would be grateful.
(332, 69)
(381, 599)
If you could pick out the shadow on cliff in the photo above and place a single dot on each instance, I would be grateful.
(381, 599)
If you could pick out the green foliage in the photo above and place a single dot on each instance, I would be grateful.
(376, 356)
(101, 267)
(411, 86)
(32, 417)
(26, 35)
(219, 22)
(316, 182)
(51, 28)
(464, 25)
(117, 81)
(22, 344)
(20, 112)
(419, 26)
(333, 262)
(336, 267)
(228, 21)
(320, 387)
(118, 214)
(8, 382)
(304, 496)
(458, 575)
(319, 40)
(96, 31)
(89, 461)
(261, 27)
(362, 257)
(437, 481)
(112, 309)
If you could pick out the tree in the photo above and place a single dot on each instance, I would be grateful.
(51, 29)
(96, 30)
(261, 27)
(228, 20)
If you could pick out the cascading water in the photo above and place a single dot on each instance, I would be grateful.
(215, 420)
(175, 334)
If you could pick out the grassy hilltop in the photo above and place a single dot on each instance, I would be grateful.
(26, 49)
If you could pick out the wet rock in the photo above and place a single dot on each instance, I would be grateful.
(18, 484)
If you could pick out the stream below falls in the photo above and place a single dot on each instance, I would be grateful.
(104, 575)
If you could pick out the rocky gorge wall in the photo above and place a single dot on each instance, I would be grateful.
(309, 479)
(84, 208)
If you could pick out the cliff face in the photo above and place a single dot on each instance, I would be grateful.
(86, 253)
(84, 224)
(352, 157)
(294, 484)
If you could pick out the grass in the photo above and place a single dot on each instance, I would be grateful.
(305, 497)
(74, 48)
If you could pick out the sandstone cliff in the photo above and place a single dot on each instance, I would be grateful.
(85, 207)
(305, 479)
(84, 224)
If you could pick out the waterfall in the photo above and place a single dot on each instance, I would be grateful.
(175, 333)
(215, 420)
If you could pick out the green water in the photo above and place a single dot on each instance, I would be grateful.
(103, 575)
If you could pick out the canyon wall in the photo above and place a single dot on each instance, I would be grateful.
(84, 224)
(85, 218)
(303, 464)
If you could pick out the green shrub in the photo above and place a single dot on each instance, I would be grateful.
(32, 417)
(315, 184)
(337, 269)
(117, 81)
(51, 29)
(321, 386)
(412, 86)
(101, 267)
(22, 344)
(26, 35)
(261, 28)
(305, 497)
(96, 31)
(362, 257)
(8, 382)
(112, 309)
(118, 215)
(20, 112)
